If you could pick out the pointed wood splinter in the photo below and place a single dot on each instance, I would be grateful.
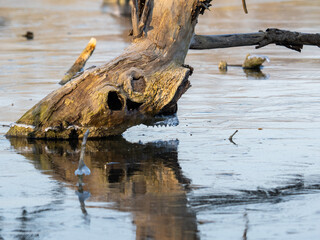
(80, 62)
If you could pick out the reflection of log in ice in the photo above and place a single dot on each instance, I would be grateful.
(255, 74)
(80, 172)
(83, 196)
(82, 167)
(144, 179)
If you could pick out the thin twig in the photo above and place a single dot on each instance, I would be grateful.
(244, 5)
(230, 138)
(245, 232)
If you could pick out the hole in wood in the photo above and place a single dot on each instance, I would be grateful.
(138, 84)
(73, 134)
(115, 175)
(132, 105)
(114, 101)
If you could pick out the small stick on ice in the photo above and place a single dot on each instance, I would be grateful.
(82, 168)
(230, 138)
(80, 62)
(244, 5)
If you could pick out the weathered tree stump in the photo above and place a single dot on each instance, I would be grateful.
(146, 80)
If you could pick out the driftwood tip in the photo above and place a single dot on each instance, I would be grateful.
(80, 62)
(244, 6)
(92, 42)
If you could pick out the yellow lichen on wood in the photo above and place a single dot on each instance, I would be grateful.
(244, 6)
(68, 101)
(223, 66)
(20, 131)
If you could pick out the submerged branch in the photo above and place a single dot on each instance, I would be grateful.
(291, 40)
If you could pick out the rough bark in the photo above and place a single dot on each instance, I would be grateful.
(292, 40)
(146, 80)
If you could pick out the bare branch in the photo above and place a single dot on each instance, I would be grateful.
(226, 41)
(292, 40)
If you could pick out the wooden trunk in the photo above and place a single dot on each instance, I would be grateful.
(145, 81)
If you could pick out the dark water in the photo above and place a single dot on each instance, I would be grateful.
(176, 182)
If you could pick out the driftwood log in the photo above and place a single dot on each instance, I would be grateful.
(145, 81)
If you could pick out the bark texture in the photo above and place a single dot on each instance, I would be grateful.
(146, 80)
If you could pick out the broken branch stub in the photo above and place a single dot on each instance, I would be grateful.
(80, 62)
(146, 80)
(244, 6)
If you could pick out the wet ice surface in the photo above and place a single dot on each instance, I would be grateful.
(177, 182)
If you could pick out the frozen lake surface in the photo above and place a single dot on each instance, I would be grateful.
(176, 182)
